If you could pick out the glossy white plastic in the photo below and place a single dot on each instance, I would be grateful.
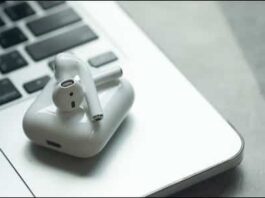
(68, 66)
(74, 133)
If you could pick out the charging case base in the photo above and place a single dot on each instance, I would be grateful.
(74, 133)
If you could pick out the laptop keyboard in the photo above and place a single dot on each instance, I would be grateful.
(59, 43)
(102, 59)
(8, 91)
(52, 22)
(11, 61)
(37, 84)
(49, 4)
(38, 42)
(11, 37)
(19, 11)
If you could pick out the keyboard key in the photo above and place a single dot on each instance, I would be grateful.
(8, 91)
(12, 37)
(53, 22)
(11, 61)
(37, 84)
(19, 11)
(60, 43)
(103, 59)
(2, 23)
(50, 4)
(1, 2)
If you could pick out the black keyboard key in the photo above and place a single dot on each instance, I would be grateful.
(103, 59)
(50, 4)
(37, 84)
(11, 61)
(53, 22)
(8, 91)
(1, 2)
(2, 23)
(60, 43)
(12, 37)
(19, 11)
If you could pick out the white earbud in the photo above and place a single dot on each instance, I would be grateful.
(108, 75)
(68, 95)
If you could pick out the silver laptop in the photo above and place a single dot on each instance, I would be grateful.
(171, 139)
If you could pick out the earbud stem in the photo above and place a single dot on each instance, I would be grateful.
(108, 75)
(90, 92)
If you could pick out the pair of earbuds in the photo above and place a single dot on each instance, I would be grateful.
(75, 84)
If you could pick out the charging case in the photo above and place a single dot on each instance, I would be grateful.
(74, 133)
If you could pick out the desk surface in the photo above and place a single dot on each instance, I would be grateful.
(220, 48)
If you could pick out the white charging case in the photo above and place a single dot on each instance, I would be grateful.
(74, 133)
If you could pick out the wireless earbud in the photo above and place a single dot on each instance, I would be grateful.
(67, 128)
(108, 75)
(67, 96)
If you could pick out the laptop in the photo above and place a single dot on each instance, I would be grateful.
(171, 139)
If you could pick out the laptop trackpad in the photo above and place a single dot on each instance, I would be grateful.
(11, 183)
